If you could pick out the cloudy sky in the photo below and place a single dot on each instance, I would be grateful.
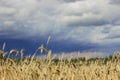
(74, 25)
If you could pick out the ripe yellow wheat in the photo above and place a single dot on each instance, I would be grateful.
(58, 69)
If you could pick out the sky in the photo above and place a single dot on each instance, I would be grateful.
(74, 25)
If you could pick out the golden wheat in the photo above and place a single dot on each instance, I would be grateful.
(32, 68)
(40, 69)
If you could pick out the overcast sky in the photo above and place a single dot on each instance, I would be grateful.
(81, 23)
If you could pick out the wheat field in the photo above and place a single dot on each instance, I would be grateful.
(32, 68)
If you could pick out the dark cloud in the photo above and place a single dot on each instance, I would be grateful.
(88, 23)
(115, 2)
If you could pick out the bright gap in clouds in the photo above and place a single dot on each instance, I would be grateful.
(87, 25)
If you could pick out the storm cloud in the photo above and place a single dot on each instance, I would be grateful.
(76, 20)
(115, 2)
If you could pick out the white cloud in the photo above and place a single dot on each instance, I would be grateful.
(8, 23)
(88, 12)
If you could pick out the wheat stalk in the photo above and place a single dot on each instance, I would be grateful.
(4, 44)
